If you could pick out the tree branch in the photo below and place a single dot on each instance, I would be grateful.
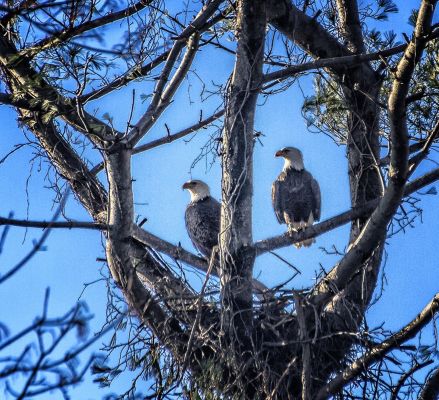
(162, 96)
(59, 37)
(235, 240)
(350, 24)
(347, 61)
(52, 225)
(375, 229)
(25, 79)
(143, 71)
(309, 34)
(142, 236)
(37, 246)
(179, 135)
(178, 253)
(137, 72)
(425, 150)
(379, 351)
(416, 367)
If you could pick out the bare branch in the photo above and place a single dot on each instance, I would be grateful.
(346, 61)
(377, 352)
(162, 96)
(24, 76)
(178, 253)
(416, 367)
(179, 135)
(52, 225)
(308, 34)
(425, 150)
(37, 246)
(137, 72)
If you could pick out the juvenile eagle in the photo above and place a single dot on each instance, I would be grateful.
(296, 194)
(202, 217)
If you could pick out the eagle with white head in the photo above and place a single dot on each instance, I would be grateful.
(296, 194)
(202, 217)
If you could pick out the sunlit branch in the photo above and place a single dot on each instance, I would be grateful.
(201, 20)
(377, 352)
(168, 139)
(163, 95)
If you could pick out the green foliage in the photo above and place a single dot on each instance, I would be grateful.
(385, 7)
(326, 110)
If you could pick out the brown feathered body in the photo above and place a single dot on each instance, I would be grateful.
(296, 199)
(202, 219)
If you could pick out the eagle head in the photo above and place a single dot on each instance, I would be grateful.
(293, 158)
(197, 189)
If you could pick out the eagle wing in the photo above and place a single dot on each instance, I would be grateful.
(317, 200)
(276, 199)
(203, 223)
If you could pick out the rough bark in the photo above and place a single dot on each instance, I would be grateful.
(236, 251)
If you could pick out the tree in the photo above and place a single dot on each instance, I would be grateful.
(248, 341)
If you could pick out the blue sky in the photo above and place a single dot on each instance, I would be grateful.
(70, 260)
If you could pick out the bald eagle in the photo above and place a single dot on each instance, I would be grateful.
(296, 194)
(202, 217)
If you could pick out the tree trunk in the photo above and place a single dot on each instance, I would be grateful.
(236, 252)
